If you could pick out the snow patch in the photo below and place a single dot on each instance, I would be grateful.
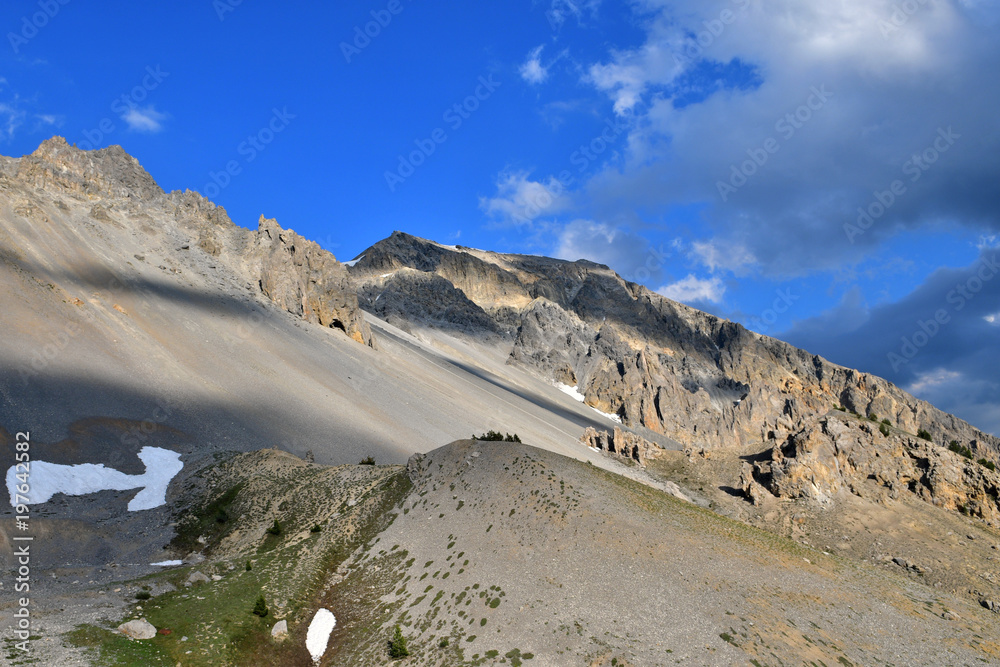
(615, 418)
(575, 393)
(318, 635)
(47, 479)
(168, 563)
(353, 261)
(572, 391)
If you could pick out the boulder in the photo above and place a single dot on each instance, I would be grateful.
(196, 578)
(138, 629)
(280, 631)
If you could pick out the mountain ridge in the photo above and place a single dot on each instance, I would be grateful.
(580, 323)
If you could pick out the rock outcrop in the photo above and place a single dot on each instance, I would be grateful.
(623, 443)
(110, 172)
(841, 453)
(690, 376)
(306, 280)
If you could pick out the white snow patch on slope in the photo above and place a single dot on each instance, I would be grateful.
(318, 634)
(353, 261)
(615, 418)
(572, 391)
(47, 479)
(168, 563)
(575, 393)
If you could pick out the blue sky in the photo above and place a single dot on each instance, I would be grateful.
(827, 173)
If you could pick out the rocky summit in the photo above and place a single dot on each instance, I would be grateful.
(455, 456)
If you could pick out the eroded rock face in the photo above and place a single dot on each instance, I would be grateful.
(841, 453)
(623, 443)
(306, 280)
(690, 376)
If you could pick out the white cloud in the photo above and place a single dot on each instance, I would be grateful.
(890, 95)
(533, 71)
(726, 256)
(520, 201)
(694, 290)
(632, 73)
(561, 10)
(933, 380)
(11, 118)
(146, 119)
(624, 251)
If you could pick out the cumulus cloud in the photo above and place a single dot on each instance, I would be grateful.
(520, 200)
(146, 119)
(533, 71)
(692, 290)
(822, 107)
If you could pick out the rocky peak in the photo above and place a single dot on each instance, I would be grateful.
(306, 280)
(109, 172)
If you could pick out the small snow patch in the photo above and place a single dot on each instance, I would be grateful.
(575, 393)
(615, 418)
(353, 261)
(168, 563)
(572, 391)
(318, 634)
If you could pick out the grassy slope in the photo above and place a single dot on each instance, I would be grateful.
(349, 503)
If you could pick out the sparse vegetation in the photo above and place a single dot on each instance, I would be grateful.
(210, 522)
(143, 595)
(496, 436)
(883, 429)
(368, 461)
(961, 450)
(887, 422)
(873, 417)
(989, 465)
(397, 645)
(260, 607)
(315, 529)
(924, 434)
(275, 528)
